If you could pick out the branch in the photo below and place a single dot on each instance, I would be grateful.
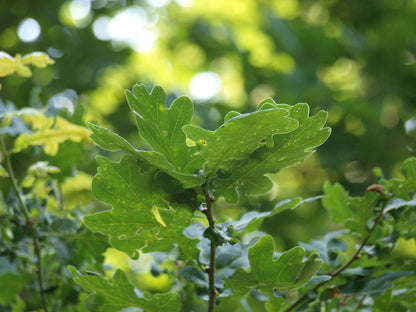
(28, 221)
(211, 269)
(354, 257)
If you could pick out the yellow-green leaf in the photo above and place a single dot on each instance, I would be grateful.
(51, 135)
(38, 59)
(6, 64)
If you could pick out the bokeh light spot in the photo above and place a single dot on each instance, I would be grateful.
(28, 30)
(205, 85)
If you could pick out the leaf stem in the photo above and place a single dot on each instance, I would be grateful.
(28, 221)
(13, 179)
(211, 269)
(354, 257)
(360, 303)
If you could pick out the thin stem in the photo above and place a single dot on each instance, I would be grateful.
(26, 213)
(211, 269)
(345, 265)
(39, 272)
(13, 179)
(360, 303)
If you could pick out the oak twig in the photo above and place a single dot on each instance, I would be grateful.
(354, 257)
(28, 221)
(211, 269)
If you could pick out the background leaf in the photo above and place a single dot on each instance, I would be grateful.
(119, 294)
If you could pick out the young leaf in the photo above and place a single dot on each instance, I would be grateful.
(237, 138)
(288, 149)
(162, 129)
(119, 294)
(288, 272)
(142, 216)
(49, 132)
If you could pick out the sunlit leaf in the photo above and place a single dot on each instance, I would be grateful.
(51, 134)
(38, 59)
(162, 129)
(288, 149)
(237, 138)
(6, 64)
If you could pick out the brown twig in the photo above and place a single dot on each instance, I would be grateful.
(346, 264)
(28, 221)
(211, 269)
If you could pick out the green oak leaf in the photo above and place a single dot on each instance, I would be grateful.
(161, 128)
(404, 188)
(288, 149)
(143, 216)
(286, 273)
(239, 136)
(111, 141)
(354, 212)
(335, 200)
(120, 294)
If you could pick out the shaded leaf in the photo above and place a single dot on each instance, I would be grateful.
(335, 201)
(288, 272)
(402, 188)
(132, 224)
(3, 172)
(119, 294)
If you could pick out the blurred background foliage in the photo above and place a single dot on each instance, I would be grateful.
(355, 59)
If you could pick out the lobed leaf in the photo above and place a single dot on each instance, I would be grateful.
(288, 272)
(161, 128)
(120, 294)
(111, 141)
(143, 216)
(288, 149)
(239, 136)
(49, 132)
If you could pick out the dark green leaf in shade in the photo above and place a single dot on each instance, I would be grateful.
(288, 149)
(237, 138)
(195, 276)
(161, 128)
(288, 272)
(402, 188)
(120, 294)
(329, 247)
(253, 218)
(142, 216)
(373, 286)
(335, 201)
(354, 212)
(9, 276)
